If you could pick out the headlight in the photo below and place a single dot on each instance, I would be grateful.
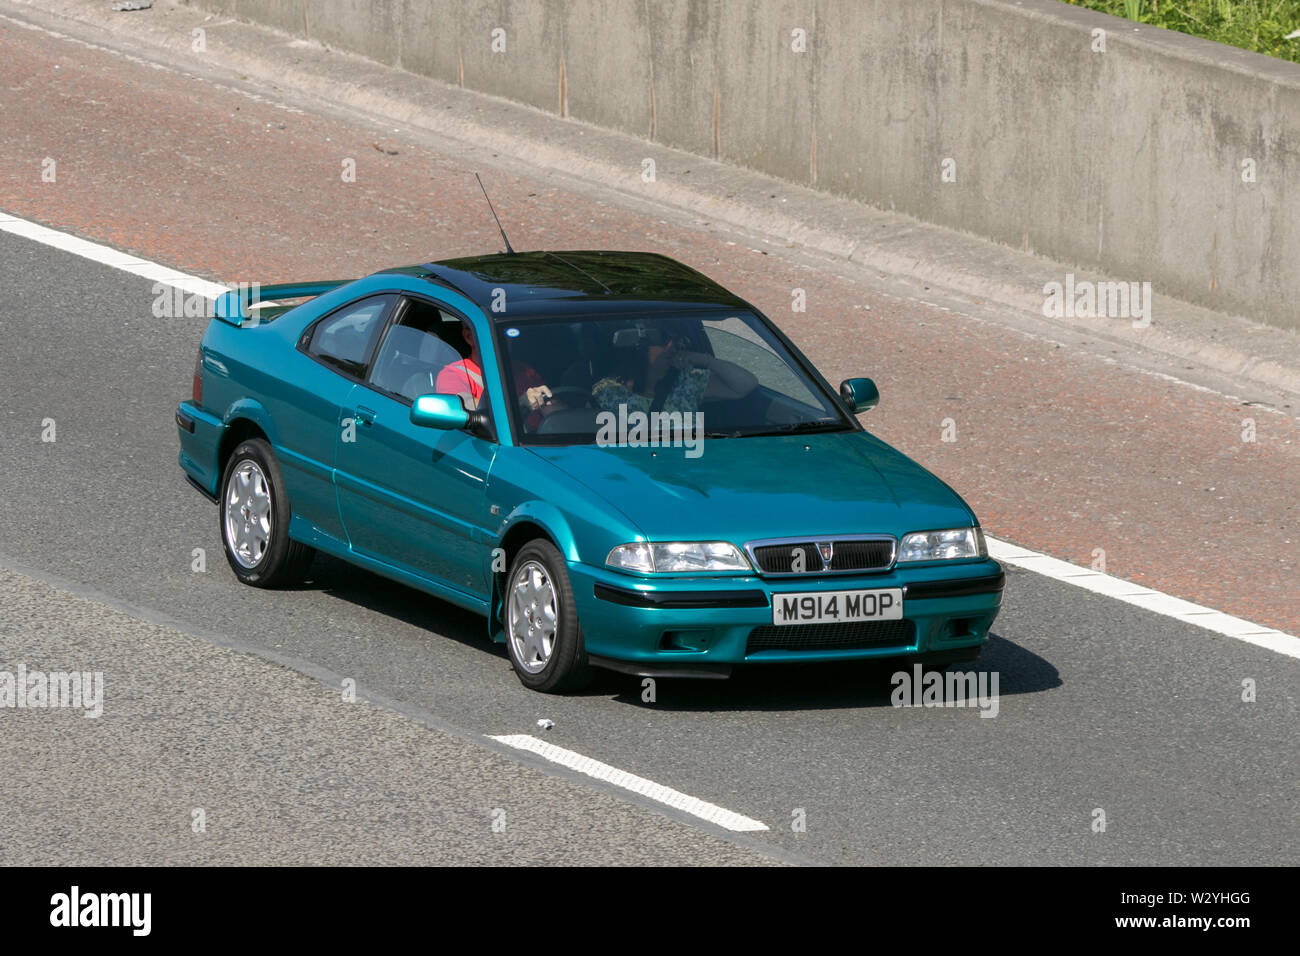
(677, 556)
(941, 545)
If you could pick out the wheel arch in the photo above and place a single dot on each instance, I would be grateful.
(527, 522)
(237, 431)
(246, 418)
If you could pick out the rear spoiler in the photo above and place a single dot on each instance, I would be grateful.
(238, 305)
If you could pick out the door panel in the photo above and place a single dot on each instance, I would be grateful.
(414, 496)
(306, 398)
(310, 415)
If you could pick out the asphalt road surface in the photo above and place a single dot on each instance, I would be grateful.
(1102, 707)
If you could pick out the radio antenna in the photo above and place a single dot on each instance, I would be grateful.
(494, 216)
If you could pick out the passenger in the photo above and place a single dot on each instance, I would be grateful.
(670, 378)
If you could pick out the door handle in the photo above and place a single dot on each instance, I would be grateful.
(366, 416)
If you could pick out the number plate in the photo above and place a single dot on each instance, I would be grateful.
(837, 607)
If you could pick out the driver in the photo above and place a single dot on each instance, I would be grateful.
(537, 402)
(465, 378)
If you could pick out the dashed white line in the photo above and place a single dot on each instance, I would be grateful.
(629, 781)
(1151, 600)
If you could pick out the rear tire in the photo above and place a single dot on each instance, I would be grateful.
(543, 637)
(253, 512)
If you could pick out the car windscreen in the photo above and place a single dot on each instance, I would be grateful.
(598, 380)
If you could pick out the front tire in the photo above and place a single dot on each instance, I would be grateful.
(541, 622)
(254, 516)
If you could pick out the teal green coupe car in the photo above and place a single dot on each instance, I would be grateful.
(615, 460)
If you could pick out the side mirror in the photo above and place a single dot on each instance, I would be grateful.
(859, 394)
(440, 411)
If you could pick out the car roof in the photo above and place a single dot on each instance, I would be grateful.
(539, 284)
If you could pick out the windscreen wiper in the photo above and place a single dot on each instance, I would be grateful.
(793, 428)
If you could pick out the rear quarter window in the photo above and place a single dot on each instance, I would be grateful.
(346, 339)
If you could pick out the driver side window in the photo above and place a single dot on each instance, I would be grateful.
(421, 344)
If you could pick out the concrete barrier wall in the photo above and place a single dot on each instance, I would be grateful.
(1137, 160)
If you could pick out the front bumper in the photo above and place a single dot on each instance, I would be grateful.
(675, 625)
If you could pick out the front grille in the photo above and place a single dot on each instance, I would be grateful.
(848, 636)
(862, 555)
(849, 555)
(780, 558)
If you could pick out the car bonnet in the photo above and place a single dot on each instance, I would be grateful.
(742, 489)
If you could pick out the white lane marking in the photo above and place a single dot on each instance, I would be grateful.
(1095, 581)
(1136, 594)
(628, 781)
(108, 256)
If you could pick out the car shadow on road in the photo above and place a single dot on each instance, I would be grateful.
(441, 619)
(824, 686)
(766, 687)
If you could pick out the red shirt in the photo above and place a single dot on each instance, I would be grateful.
(467, 376)
(460, 377)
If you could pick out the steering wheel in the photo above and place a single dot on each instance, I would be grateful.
(572, 395)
